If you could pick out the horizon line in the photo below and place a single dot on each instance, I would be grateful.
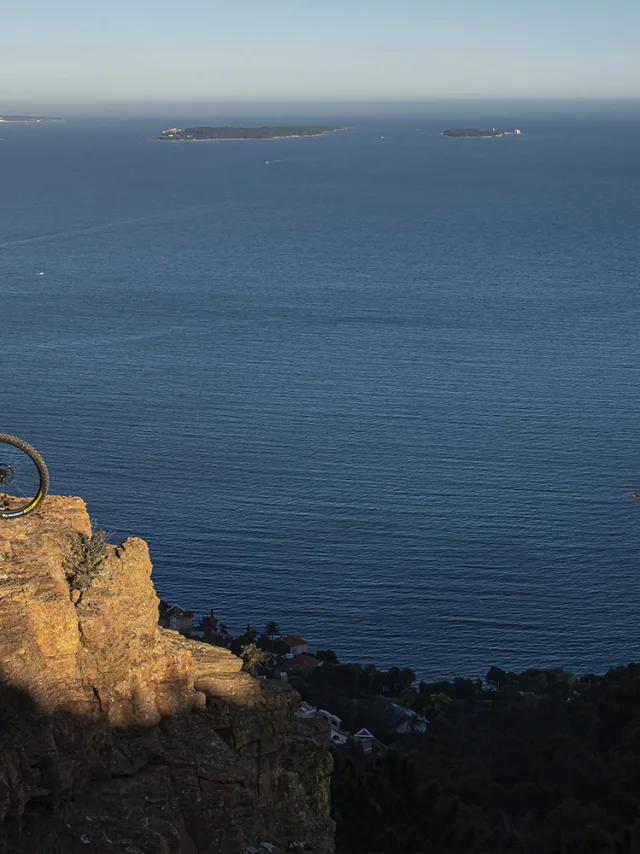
(439, 99)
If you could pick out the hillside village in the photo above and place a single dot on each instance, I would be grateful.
(288, 658)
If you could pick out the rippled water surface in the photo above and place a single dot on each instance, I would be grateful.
(383, 391)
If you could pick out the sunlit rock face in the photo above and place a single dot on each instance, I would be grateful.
(119, 736)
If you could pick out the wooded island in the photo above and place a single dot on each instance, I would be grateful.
(236, 133)
(480, 133)
(33, 119)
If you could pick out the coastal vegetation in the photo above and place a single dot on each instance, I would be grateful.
(482, 133)
(538, 762)
(236, 133)
(272, 629)
(252, 657)
(541, 762)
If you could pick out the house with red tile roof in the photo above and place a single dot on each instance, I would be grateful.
(295, 644)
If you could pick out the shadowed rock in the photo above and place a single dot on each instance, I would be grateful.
(119, 736)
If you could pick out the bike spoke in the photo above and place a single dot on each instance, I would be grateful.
(23, 476)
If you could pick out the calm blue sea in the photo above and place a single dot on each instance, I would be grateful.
(383, 390)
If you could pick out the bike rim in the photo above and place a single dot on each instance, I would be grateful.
(20, 482)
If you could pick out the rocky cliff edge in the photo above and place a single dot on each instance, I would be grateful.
(118, 736)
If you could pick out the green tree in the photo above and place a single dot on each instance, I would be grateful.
(252, 657)
(272, 629)
(440, 703)
(499, 678)
(327, 655)
(239, 643)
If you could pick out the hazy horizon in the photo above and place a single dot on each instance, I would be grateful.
(343, 50)
(242, 109)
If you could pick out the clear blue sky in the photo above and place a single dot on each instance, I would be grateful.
(252, 50)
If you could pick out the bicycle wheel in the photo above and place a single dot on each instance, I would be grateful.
(24, 479)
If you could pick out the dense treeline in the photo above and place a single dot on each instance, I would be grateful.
(358, 695)
(469, 132)
(540, 762)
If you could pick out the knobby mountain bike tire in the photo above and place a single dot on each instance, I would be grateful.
(24, 478)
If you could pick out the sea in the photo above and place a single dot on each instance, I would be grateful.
(382, 389)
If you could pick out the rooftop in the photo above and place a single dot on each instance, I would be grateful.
(293, 640)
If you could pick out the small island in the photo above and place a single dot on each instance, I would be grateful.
(198, 134)
(479, 133)
(30, 119)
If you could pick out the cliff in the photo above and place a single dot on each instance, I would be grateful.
(118, 736)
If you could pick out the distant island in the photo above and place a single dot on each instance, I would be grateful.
(479, 133)
(32, 119)
(197, 134)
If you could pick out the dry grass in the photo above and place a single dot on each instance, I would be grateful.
(82, 561)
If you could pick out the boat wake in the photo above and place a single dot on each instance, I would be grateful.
(93, 229)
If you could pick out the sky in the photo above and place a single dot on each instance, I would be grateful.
(155, 51)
